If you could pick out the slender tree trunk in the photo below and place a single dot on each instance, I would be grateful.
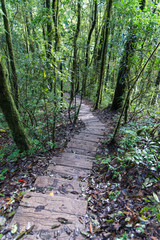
(74, 67)
(55, 14)
(157, 84)
(55, 10)
(104, 53)
(158, 79)
(27, 20)
(49, 34)
(88, 46)
(10, 111)
(11, 52)
(49, 29)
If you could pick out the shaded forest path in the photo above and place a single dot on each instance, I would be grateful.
(56, 206)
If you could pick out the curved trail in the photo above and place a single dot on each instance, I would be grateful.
(57, 207)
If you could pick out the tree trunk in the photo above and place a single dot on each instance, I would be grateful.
(49, 29)
(55, 12)
(27, 20)
(74, 68)
(125, 64)
(156, 93)
(10, 112)
(104, 53)
(11, 53)
(87, 50)
(49, 40)
(158, 79)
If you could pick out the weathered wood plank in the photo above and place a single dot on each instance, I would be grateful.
(44, 220)
(64, 186)
(58, 204)
(73, 160)
(76, 173)
(81, 151)
(82, 145)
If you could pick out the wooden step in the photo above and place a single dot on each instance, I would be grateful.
(72, 159)
(61, 186)
(68, 172)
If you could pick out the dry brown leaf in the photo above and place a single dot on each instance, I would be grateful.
(91, 228)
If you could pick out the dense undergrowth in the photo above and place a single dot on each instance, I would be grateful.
(125, 186)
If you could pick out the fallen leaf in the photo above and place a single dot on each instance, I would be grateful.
(2, 221)
(84, 233)
(22, 230)
(11, 214)
(81, 221)
(23, 181)
(51, 193)
(2, 131)
(64, 220)
(91, 228)
(14, 228)
(154, 238)
(55, 226)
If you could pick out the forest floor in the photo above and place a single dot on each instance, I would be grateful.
(116, 199)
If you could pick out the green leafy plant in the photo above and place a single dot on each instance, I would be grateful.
(153, 207)
(2, 173)
(124, 237)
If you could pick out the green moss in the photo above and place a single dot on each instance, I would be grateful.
(10, 111)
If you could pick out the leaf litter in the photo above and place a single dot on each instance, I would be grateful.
(122, 206)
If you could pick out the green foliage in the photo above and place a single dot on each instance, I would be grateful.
(124, 237)
(137, 146)
(153, 207)
(2, 173)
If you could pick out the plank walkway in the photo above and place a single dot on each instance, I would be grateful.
(57, 207)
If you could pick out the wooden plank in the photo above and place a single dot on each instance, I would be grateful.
(84, 142)
(44, 220)
(88, 137)
(70, 172)
(71, 159)
(58, 204)
(64, 233)
(93, 132)
(81, 151)
(64, 186)
(88, 146)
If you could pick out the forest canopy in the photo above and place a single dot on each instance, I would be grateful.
(106, 50)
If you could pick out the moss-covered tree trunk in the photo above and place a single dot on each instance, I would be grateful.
(104, 53)
(11, 52)
(125, 64)
(10, 111)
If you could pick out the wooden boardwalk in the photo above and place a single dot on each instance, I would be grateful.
(56, 207)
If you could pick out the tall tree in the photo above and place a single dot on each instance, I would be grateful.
(49, 28)
(125, 64)
(74, 66)
(105, 33)
(55, 14)
(10, 111)
(88, 47)
(11, 52)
